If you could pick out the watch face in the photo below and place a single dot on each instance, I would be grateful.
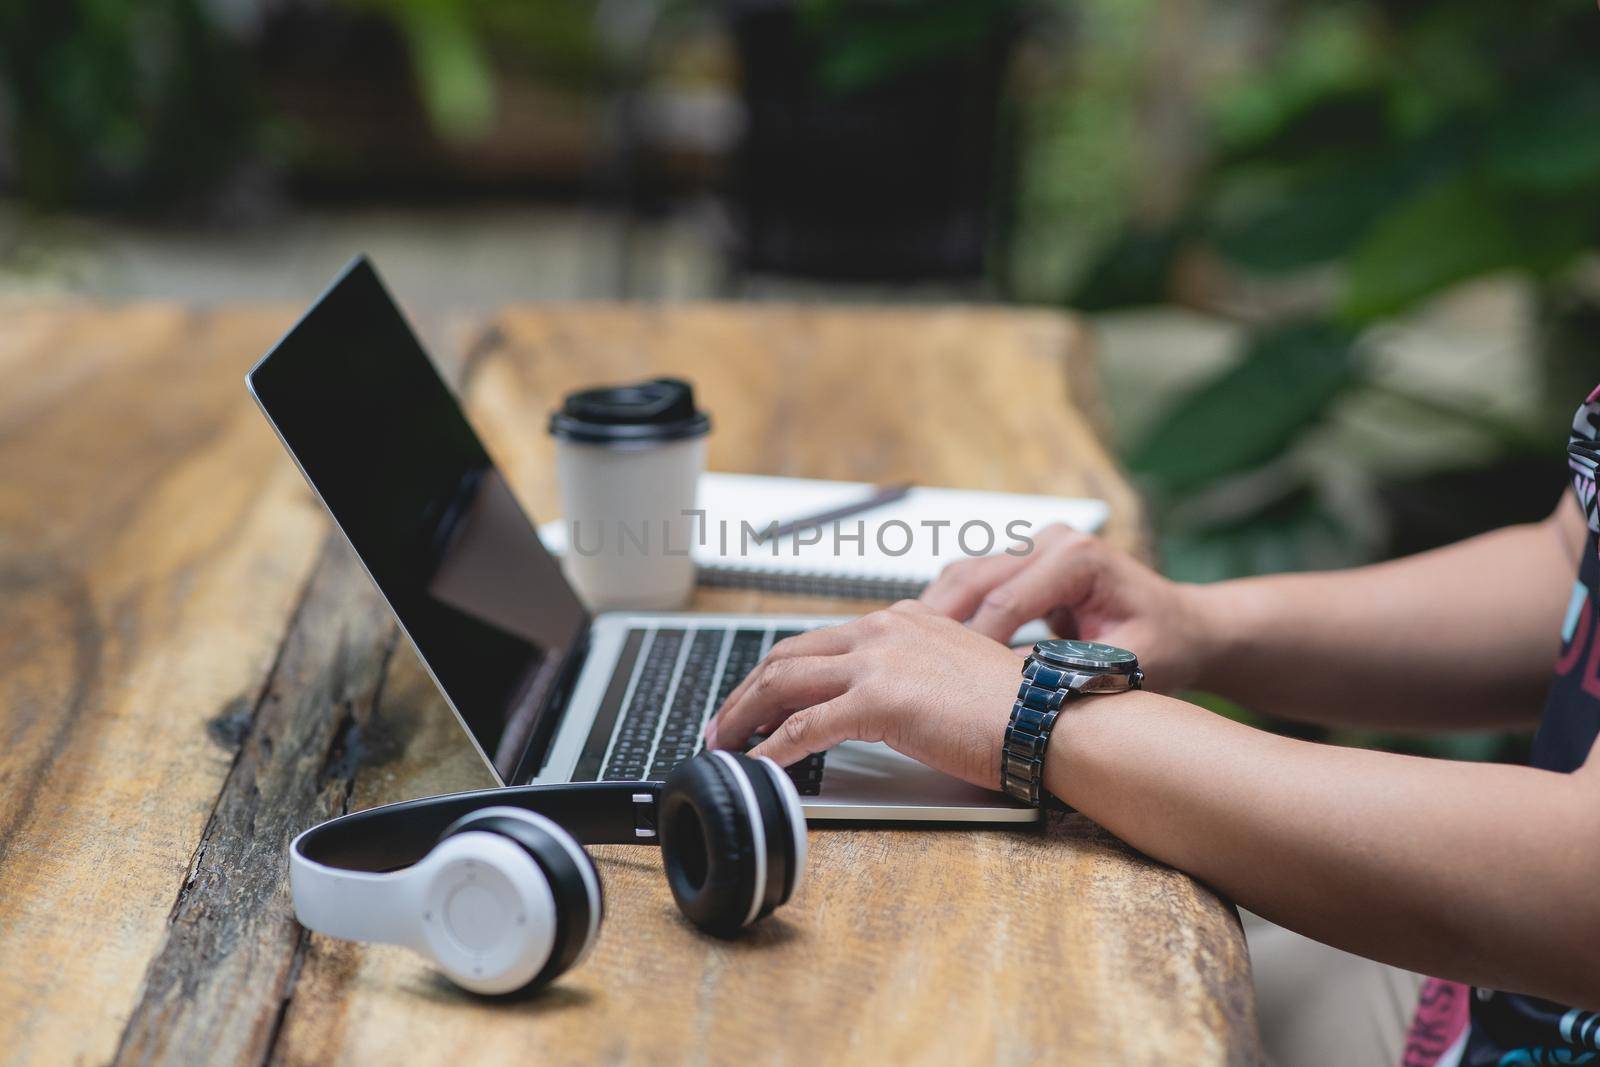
(1086, 655)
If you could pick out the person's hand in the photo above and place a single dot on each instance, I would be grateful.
(1083, 588)
(923, 683)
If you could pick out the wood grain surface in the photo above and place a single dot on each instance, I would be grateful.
(191, 671)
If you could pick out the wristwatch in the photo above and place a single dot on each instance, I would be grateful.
(1057, 671)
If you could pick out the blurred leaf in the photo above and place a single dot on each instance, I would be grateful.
(1248, 414)
(453, 71)
(1450, 232)
(1308, 223)
(1349, 120)
(1326, 80)
(1135, 269)
(1549, 142)
(1456, 230)
(1294, 532)
(1321, 210)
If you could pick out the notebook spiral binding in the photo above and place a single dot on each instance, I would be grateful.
(855, 587)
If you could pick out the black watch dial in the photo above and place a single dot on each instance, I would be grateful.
(1086, 656)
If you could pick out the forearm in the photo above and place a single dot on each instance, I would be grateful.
(1459, 637)
(1379, 854)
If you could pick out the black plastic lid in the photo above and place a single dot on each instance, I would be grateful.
(644, 413)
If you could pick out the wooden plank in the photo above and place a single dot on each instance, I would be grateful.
(215, 989)
(152, 545)
(906, 945)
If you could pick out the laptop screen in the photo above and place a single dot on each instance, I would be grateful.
(385, 444)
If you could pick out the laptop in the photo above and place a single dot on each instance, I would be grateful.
(546, 691)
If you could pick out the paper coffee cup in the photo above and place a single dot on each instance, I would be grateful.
(629, 459)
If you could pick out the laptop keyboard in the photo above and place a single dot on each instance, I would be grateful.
(685, 676)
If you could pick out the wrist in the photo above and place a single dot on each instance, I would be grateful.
(1088, 740)
(1219, 615)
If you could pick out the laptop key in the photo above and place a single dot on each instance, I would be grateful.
(805, 773)
(653, 738)
(743, 655)
(630, 751)
(594, 748)
(680, 728)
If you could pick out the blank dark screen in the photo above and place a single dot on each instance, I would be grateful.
(384, 442)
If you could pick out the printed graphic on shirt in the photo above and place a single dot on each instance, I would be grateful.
(1581, 1029)
(1439, 1029)
(1583, 456)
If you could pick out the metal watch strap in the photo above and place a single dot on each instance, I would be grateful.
(1033, 716)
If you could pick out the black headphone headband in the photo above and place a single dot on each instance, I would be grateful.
(393, 836)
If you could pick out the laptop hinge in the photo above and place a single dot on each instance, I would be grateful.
(555, 707)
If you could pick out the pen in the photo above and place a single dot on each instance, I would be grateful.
(880, 495)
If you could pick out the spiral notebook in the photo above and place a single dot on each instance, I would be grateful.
(902, 545)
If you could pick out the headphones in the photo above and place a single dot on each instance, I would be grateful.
(495, 888)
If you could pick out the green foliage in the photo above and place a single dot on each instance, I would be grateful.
(146, 101)
(1272, 220)
(1412, 147)
(1294, 531)
(1547, 141)
(456, 45)
(1133, 269)
(114, 100)
(1447, 232)
(453, 71)
(1284, 381)
(1396, 150)
(1076, 174)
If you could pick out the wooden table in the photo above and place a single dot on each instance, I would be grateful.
(192, 670)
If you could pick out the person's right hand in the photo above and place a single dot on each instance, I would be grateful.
(1083, 588)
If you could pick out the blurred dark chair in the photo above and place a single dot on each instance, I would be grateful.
(898, 176)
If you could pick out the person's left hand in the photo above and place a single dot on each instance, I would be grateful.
(923, 683)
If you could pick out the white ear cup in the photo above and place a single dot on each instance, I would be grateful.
(580, 860)
(488, 916)
(797, 818)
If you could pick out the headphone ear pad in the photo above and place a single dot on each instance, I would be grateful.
(707, 845)
(574, 882)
